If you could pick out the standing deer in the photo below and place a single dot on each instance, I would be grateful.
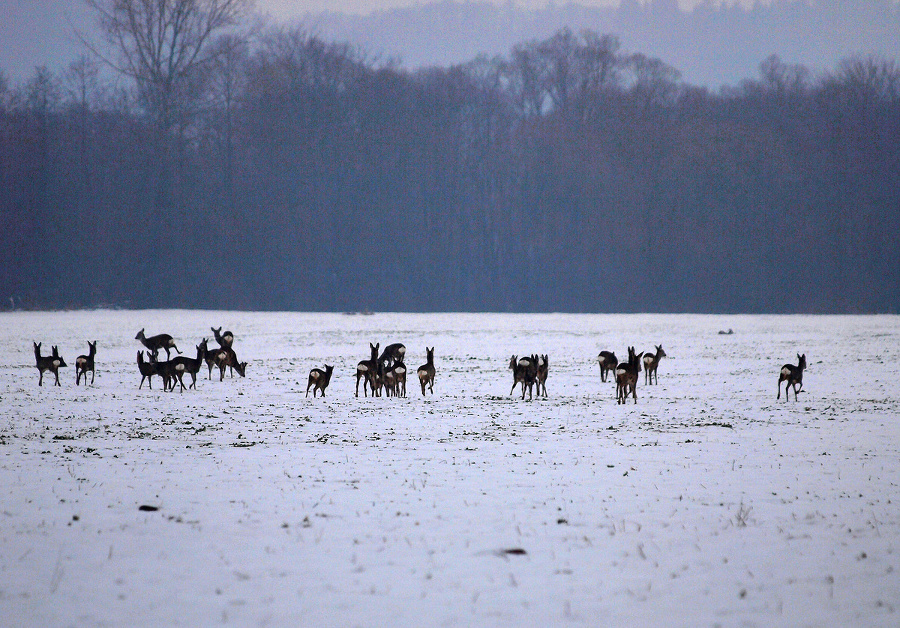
(524, 371)
(426, 372)
(393, 353)
(627, 377)
(394, 379)
(651, 361)
(608, 363)
(85, 363)
(319, 380)
(367, 370)
(225, 340)
(147, 369)
(50, 363)
(183, 365)
(227, 358)
(793, 375)
(543, 369)
(155, 343)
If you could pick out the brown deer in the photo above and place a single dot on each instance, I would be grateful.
(319, 380)
(50, 363)
(398, 375)
(155, 343)
(147, 369)
(224, 340)
(183, 365)
(543, 370)
(211, 356)
(524, 371)
(227, 358)
(367, 370)
(426, 372)
(627, 377)
(393, 353)
(85, 363)
(608, 363)
(651, 361)
(793, 375)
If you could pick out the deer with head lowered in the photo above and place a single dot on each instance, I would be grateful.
(227, 358)
(155, 343)
(793, 375)
(608, 363)
(52, 363)
(393, 353)
(524, 371)
(426, 372)
(651, 361)
(85, 363)
(319, 380)
(627, 377)
(367, 370)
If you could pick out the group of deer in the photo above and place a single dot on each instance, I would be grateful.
(626, 373)
(54, 362)
(528, 371)
(173, 370)
(381, 372)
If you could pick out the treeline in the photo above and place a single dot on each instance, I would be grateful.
(295, 173)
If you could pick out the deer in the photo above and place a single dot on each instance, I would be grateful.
(426, 372)
(793, 375)
(393, 353)
(155, 343)
(627, 377)
(225, 340)
(182, 365)
(85, 363)
(398, 376)
(543, 370)
(608, 363)
(147, 369)
(651, 361)
(388, 380)
(524, 370)
(50, 363)
(367, 370)
(211, 356)
(227, 358)
(319, 380)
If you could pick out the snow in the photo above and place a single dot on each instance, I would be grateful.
(709, 502)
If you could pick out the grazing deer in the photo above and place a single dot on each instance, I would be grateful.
(319, 380)
(524, 370)
(227, 358)
(183, 365)
(608, 363)
(367, 370)
(147, 369)
(155, 343)
(627, 377)
(426, 371)
(50, 363)
(85, 363)
(651, 361)
(225, 340)
(392, 354)
(793, 375)
(543, 369)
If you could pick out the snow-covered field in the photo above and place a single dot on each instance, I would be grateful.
(707, 503)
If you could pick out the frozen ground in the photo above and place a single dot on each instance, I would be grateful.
(707, 503)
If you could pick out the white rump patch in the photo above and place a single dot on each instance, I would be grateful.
(362, 367)
(524, 362)
(786, 371)
(314, 374)
(400, 370)
(56, 363)
(179, 367)
(621, 371)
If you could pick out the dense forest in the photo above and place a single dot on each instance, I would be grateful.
(274, 169)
